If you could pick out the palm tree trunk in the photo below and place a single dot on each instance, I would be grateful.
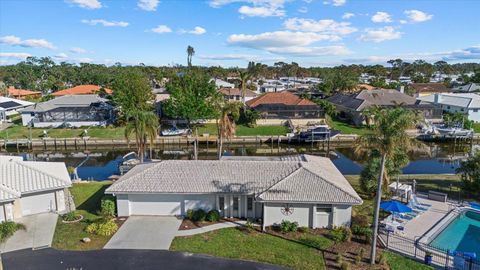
(220, 147)
(377, 210)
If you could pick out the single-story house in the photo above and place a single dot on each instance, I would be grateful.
(425, 89)
(86, 89)
(31, 187)
(351, 106)
(306, 189)
(464, 103)
(285, 105)
(468, 88)
(22, 93)
(71, 111)
(11, 106)
(235, 94)
(219, 83)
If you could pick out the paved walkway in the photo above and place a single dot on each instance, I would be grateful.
(39, 233)
(145, 232)
(209, 228)
(51, 259)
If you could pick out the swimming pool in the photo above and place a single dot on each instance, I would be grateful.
(462, 234)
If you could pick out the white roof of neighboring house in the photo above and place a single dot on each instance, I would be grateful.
(302, 178)
(222, 83)
(7, 103)
(19, 177)
(464, 100)
(471, 87)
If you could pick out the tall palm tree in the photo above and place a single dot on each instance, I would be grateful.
(228, 111)
(388, 136)
(144, 124)
(244, 77)
(190, 54)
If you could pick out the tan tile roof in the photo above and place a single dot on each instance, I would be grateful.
(21, 92)
(284, 97)
(236, 92)
(86, 89)
(430, 88)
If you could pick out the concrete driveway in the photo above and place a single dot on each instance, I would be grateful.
(38, 234)
(145, 232)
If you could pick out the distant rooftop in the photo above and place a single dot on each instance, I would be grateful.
(86, 89)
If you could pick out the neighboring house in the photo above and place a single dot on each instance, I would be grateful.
(306, 189)
(72, 111)
(425, 89)
(22, 94)
(285, 105)
(471, 87)
(351, 106)
(31, 187)
(465, 103)
(10, 107)
(235, 94)
(87, 89)
(222, 84)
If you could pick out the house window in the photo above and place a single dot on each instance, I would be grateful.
(249, 203)
(324, 208)
(221, 203)
(475, 110)
(448, 107)
(235, 203)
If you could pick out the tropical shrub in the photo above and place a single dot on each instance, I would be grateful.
(107, 207)
(338, 234)
(8, 228)
(303, 229)
(249, 225)
(189, 214)
(288, 226)
(92, 228)
(315, 241)
(199, 215)
(345, 266)
(107, 228)
(213, 215)
(70, 216)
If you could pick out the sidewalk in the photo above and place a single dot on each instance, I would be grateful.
(209, 228)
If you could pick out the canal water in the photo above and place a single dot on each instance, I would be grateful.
(101, 164)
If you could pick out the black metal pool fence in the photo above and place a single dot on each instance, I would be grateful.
(440, 258)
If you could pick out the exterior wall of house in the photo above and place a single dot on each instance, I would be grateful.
(301, 213)
(26, 118)
(342, 215)
(6, 211)
(73, 124)
(474, 115)
(123, 205)
(60, 197)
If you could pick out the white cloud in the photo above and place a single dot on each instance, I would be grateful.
(330, 27)
(261, 11)
(416, 16)
(348, 15)
(336, 3)
(312, 51)
(88, 4)
(277, 39)
(380, 34)
(160, 29)
(196, 31)
(106, 23)
(61, 56)
(78, 50)
(256, 8)
(303, 10)
(381, 17)
(148, 5)
(244, 57)
(32, 43)
(14, 55)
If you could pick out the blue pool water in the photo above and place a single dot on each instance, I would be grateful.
(463, 234)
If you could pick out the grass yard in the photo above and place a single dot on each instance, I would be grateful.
(398, 262)
(476, 127)
(21, 132)
(87, 198)
(243, 130)
(236, 244)
(347, 128)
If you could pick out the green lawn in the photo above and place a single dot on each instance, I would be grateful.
(347, 128)
(21, 132)
(243, 130)
(87, 198)
(236, 244)
(398, 262)
(476, 127)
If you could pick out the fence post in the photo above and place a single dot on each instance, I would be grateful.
(388, 237)
(470, 267)
(446, 259)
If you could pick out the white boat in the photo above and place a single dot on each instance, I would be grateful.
(174, 131)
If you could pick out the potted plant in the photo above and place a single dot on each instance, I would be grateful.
(428, 258)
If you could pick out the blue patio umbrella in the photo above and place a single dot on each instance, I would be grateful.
(395, 207)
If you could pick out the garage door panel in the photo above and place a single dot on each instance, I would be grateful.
(37, 203)
(164, 205)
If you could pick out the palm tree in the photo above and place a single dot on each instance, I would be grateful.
(388, 136)
(144, 124)
(244, 77)
(190, 54)
(228, 111)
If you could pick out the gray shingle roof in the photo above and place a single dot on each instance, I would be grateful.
(19, 177)
(65, 101)
(302, 179)
(367, 98)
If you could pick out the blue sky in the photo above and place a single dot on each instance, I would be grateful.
(232, 32)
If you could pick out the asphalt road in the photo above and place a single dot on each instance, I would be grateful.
(116, 259)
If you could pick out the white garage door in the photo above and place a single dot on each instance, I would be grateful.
(38, 203)
(159, 205)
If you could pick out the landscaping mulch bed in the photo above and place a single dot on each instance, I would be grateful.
(188, 224)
